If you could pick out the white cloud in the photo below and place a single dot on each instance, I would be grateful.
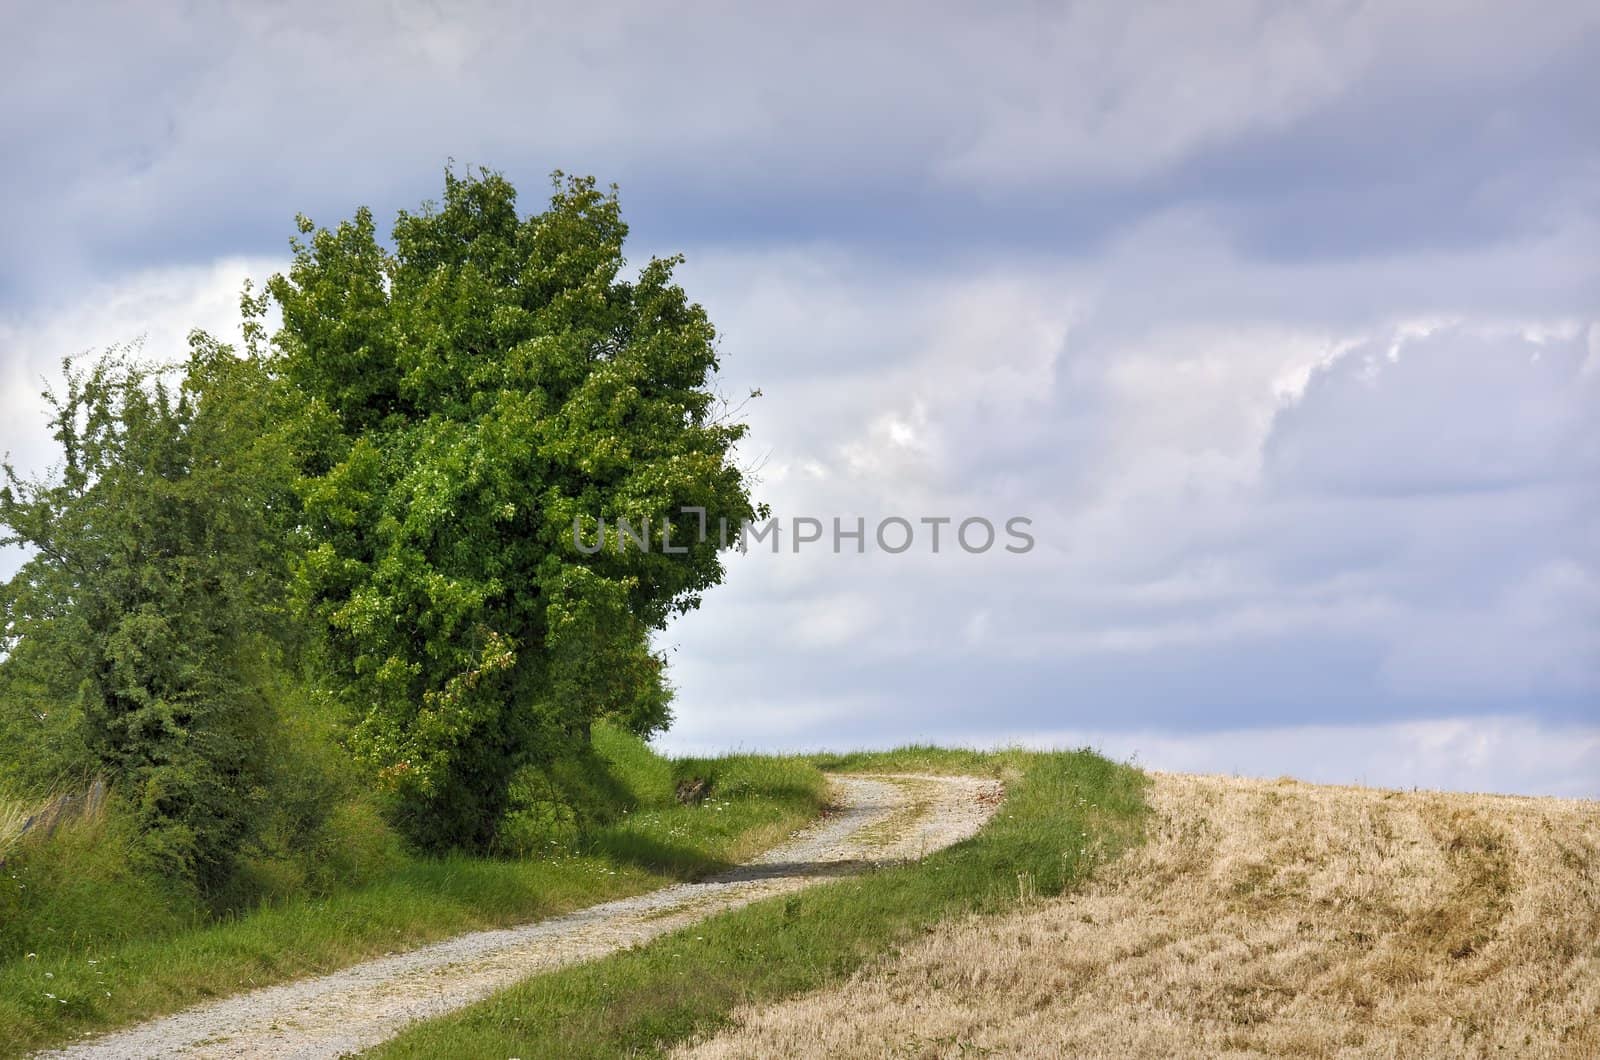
(158, 307)
(1186, 567)
(1591, 363)
(1519, 413)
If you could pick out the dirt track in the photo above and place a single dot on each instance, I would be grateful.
(886, 818)
(1261, 918)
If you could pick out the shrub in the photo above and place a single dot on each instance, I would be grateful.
(153, 593)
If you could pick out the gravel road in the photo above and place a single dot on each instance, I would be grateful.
(884, 818)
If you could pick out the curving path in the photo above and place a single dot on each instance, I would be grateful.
(884, 818)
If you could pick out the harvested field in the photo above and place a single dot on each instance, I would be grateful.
(1261, 918)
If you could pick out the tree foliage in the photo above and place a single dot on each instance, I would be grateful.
(155, 590)
(473, 390)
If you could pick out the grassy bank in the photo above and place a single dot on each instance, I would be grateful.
(87, 942)
(1064, 813)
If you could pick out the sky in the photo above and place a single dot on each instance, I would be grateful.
(1280, 322)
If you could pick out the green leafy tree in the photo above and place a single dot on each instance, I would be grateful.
(474, 391)
(155, 591)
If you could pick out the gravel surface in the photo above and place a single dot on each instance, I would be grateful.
(884, 818)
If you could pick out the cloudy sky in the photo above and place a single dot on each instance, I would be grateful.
(1280, 321)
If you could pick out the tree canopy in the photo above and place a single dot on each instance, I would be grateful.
(472, 391)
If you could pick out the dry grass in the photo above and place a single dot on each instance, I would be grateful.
(40, 817)
(1260, 919)
(13, 815)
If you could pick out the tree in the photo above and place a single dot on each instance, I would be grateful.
(157, 582)
(473, 394)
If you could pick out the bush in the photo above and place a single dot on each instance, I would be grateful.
(154, 596)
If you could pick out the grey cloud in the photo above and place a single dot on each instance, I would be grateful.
(180, 133)
(1452, 411)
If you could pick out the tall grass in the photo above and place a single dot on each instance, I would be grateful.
(23, 818)
(14, 813)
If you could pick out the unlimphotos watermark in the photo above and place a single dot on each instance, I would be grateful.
(894, 534)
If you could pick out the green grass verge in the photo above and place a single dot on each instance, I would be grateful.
(86, 944)
(1064, 813)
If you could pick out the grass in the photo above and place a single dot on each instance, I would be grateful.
(1064, 813)
(88, 944)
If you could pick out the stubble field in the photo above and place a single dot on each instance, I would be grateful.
(1260, 918)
